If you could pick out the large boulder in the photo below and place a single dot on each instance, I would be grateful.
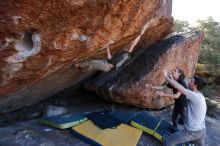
(131, 84)
(39, 38)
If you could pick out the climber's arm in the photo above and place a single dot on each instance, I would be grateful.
(175, 96)
(134, 43)
(108, 53)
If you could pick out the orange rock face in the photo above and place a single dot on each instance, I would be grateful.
(131, 84)
(40, 37)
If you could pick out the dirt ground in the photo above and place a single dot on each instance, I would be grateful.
(21, 128)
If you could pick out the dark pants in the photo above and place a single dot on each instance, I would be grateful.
(194, 137)
(175, 115)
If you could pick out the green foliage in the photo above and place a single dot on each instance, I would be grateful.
(210, 53)
(209, 90)
(211, 59)
(182, 27)
(211, 29)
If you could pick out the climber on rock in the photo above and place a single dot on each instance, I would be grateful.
(180, 99)
(111, 63)
(194, 124)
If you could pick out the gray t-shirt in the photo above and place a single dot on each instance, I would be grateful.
(120, 59)
(196, 111)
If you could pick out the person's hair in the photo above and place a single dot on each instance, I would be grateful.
(182, 75)
(200, 82)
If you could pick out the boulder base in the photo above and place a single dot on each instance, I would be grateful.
(131, 84)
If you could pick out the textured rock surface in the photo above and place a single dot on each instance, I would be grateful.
(38, 38)
(131, 83)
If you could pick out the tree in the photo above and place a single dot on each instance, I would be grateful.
(211, 29)
(209, 60)
(210, 54)
(182, 27)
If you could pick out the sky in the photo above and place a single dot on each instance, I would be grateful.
(192, 10)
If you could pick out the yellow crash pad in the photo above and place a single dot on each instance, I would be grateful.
(123, 135)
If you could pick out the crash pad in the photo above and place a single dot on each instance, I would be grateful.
(122, 135)
(64, 121)
(110, 119)
(155, 126)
